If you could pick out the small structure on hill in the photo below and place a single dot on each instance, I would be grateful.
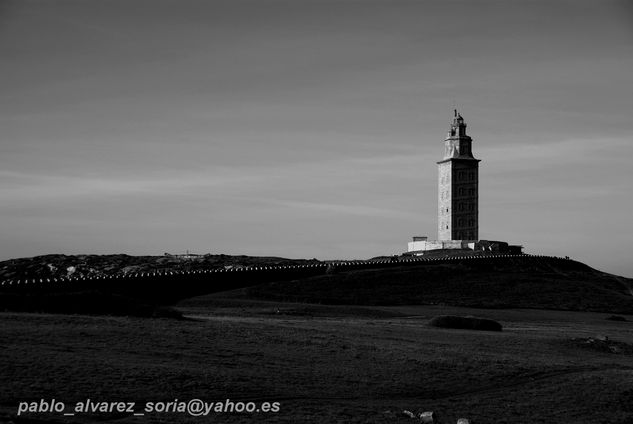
(458, 199)
(186, 256)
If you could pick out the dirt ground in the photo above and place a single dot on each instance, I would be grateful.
(333, 364)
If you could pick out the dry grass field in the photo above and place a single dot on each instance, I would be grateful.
(335, 364)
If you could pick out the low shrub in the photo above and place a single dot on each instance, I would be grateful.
(466, 323)
(616, 318)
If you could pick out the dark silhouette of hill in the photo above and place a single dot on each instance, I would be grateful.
(105, 284)
(476, 280)
(86, 302)
(544, 283)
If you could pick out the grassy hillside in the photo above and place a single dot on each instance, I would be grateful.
(96, 295)
(483, 281)
(511, 283)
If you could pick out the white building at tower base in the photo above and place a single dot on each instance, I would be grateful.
(421, 244)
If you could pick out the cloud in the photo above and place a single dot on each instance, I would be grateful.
(19, 187)
(348, 209)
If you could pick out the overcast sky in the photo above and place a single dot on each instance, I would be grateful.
(311, 128)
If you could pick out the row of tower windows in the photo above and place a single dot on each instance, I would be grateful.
(462, 223)
(459, 176)
(465, 175)
(463, 207)
(463, 190)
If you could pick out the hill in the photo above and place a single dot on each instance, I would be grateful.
(479, 280)
(106, 284)
(524, 282)
(85, 266)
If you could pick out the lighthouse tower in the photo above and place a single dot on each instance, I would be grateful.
(458, 215)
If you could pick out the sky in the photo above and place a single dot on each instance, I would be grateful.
(312, 128)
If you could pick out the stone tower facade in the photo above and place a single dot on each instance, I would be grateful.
(458, 190)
